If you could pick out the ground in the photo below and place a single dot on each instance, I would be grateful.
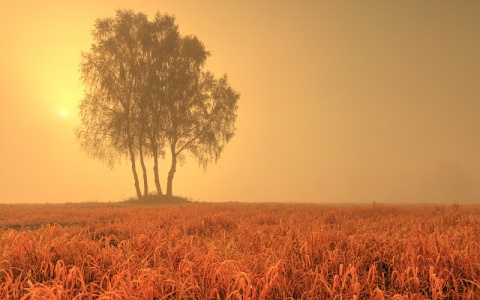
(136, 250)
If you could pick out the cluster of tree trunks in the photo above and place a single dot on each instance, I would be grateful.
(147, 94)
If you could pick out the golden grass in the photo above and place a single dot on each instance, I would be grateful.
(239, 251)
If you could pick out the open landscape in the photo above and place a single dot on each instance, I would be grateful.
(239, 251)
(239, 150)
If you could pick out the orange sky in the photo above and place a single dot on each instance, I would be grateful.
(341, 101)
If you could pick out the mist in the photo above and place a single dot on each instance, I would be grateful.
(340, 102)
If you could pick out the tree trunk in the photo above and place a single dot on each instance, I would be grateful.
(173, 168)
(134, 168)
(155, 170)
(144, 169)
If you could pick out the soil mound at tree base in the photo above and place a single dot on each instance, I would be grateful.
(157, 200)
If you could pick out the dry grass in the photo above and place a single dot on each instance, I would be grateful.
(239, 251)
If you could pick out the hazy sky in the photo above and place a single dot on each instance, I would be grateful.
(341, 101)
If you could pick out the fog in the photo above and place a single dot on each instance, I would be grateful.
(340, 101)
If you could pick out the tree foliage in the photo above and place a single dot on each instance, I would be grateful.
(148, 93)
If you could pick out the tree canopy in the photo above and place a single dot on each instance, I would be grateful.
(147, 93)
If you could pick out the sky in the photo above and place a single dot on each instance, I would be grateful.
(341, 101)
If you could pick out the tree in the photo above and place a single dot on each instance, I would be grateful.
(201, 111)
(159, 48)
(147, 93)
(111, 71)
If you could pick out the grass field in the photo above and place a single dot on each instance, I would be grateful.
(239, 251)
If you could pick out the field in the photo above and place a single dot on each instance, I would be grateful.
(239, 251)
